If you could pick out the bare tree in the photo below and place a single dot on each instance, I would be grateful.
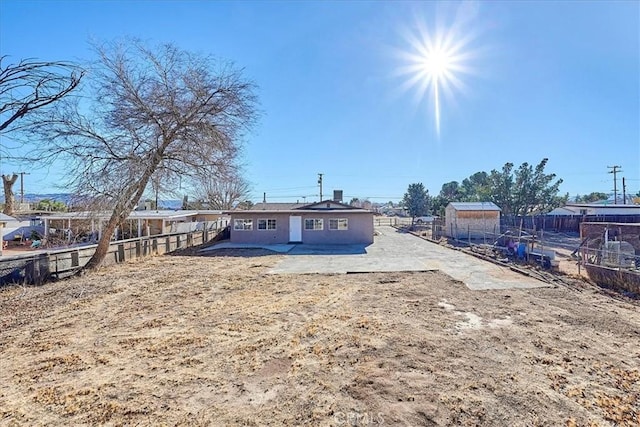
(25, 88)
(222, 190)
(30, 85)
(9, 199)
(153, 109)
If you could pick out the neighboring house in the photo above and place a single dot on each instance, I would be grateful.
(326, 222)
(593, 209)
(473, 220)
(4, 219)
(139, 223)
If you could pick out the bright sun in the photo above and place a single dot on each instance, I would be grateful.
(434, 64)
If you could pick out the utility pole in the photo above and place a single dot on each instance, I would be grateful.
(614, 171)
(320, 184)
(22, 174)
(624, 192)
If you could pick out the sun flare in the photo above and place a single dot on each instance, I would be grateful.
(434, 63)
(437, 64)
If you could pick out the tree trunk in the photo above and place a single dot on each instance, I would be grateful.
(121, 212)
(9, 199)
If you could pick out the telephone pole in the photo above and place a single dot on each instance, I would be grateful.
(624, 192)
(614, 171)
(320, 184)
(22, 174)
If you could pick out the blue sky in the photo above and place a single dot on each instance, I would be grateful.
(539, 79)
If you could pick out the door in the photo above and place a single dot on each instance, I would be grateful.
(295, 229)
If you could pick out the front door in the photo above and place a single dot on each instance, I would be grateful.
(295, 229)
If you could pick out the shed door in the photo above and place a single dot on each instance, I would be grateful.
(295, 229)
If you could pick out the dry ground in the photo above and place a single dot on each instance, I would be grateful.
(181, 340)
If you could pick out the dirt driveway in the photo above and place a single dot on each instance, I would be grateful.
(218, 340)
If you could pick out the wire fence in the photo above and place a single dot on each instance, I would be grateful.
(608, 252)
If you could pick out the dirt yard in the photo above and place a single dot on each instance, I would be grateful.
(183, 340)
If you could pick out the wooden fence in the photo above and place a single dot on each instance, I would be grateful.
(563, 223)
(41, 267)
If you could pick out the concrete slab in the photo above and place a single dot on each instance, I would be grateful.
(396, 251)
(283, 248)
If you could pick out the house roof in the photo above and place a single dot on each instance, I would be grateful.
(301, 211)
(324, 206)
(601, 205)
(561, 211)
(144, 214)
(275, 206)
(474, 206)
(6, 218)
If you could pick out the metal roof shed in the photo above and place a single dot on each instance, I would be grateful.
(472, 220)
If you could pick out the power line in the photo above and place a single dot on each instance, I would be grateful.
(615, 170)
(22, 174)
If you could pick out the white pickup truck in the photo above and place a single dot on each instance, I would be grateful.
(424, 219)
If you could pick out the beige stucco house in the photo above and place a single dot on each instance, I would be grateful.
(326, 222)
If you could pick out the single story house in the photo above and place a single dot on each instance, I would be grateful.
(4, 219)
(326, 222)
(473, 220)
(596, 209)
(139, 223)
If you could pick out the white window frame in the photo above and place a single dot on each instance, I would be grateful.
(339, 221)
(245, 224)
(315, 223)
(267, 224)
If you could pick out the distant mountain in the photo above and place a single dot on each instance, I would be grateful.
(35, 198)
(67, 197)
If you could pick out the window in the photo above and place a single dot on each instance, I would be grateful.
(243, 224)
(339, 224)
(313, 224)
(266, 224)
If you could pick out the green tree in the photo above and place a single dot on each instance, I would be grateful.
(51, 205)
(474, 188)
(451, 191)
(500, 188)
(439, 204)
(534, 191)
(416, 200)
(526, 190)
(593, 197)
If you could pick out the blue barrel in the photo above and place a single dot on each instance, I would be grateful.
(522, 249)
